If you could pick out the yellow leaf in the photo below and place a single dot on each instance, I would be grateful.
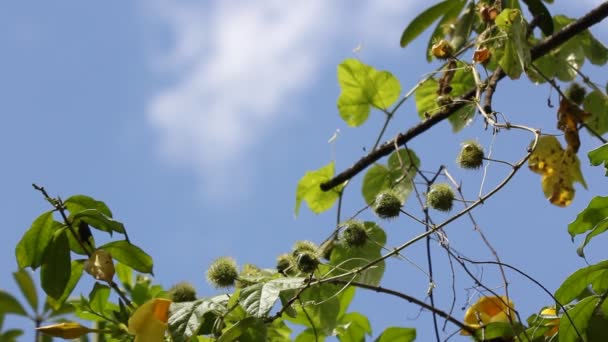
(69, 330)
(559, 168)
(487, 310)
(149, 322)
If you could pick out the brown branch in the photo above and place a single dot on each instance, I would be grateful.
(591, 18)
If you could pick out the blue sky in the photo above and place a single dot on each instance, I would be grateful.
(194, 121)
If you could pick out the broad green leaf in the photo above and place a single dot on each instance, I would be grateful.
(28, 288)
(396, 175)
(186, 318)
(236, 331)
(30, 249)
(578, 282)
(346, 297)
(347, 259)
(376, 179)
(425, 19)
(353, 328)
(397, 334)
(322, 305)
(97, 219)
(259, 298)
(309, 190)
(538, 10)
(10, 305)
(516, 57)
(596, 104)
(596, 212)
(78, 203)
(599, 156)
(444, 25)
(597, 230)
(98, 297)
(125, 274)
(363, 86)
(130, 255)
(559, 168)
(501, 331)
(580, 314)
(597, 329)
(56, 268)
(595, 51)
(77, 266)
(309, 335)
(463, 27)
(278, 331)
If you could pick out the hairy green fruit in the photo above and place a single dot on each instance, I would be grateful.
(387, 205)
(440, 197)
(354, 234)
(576, 93)
(182, 292)
(471, 155)
(223, 272)
(304, 246)
(285, 264)
(307, 262)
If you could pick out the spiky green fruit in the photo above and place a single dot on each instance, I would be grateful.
(307, 262)
(387, 205)
(182, 292)
(440, 197)
(576, 93)
(223, 272)
(471, 155)
(354, 234)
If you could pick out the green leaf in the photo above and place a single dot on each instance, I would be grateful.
(597, 230)
(258, 299)
(278, 331)
(309, 335)
(599, 156)
(125, 274)
(501, 331)
(596, 104)
(186, 318)
(577, 282)
(98, 297)
(580, 314)
(56, 269)
(30, 249)
(376, 179)
(396, 175)
(249, 329)
(443, 26)
(78, 203)
(463, 27)
(10, 305)
(364, 86)
(309, 190)
(77, 266)
(346, 297)
(11, 335)
(595, 51)
(516, 56)
(99, 220)
(586, 220)
(322, 305)
(346, 259)
(425, 19)
(538, 10)
(130, 255)
(397, 334)
(353, 328)
(28, 288)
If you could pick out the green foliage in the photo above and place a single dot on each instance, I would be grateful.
(595, 276)
(258, 299)
(364, 87)
(309, 190)
(396, 175)
(27, 287)
(185, 319)
(397, 334)
(580, 314)
(30, 250)
(56, 266)
(596, 104)
(516, 55)
(130, 255)
(599, 156)
(593, 219)
(428, 17)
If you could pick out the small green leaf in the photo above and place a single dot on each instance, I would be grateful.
(499, 331)
(77, 266)
(353, 327)
(10, 305)
(309, 335)
(97, 219)
(346, 297)
(186, 318)
(98, 297)
(599, 156)
(376, 179)
(538, 10)
(595, 51)
(597, 230)
(259, 298)
(56, 269)
(425, 19)
(346, 259)
(578, 282)
(11, 335)
(130, 255)
(397, 334)
(247, 329)
(309, 190)
(580, 315)
(125, 274)
(322, 305)
(596, 104)
(30, 249)
(364, 86)
(586, 220)
(516, 57)
(28, 288)
(78, 203)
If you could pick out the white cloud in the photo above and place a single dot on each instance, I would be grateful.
(236, 63)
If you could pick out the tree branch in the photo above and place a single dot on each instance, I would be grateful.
(591, 18)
